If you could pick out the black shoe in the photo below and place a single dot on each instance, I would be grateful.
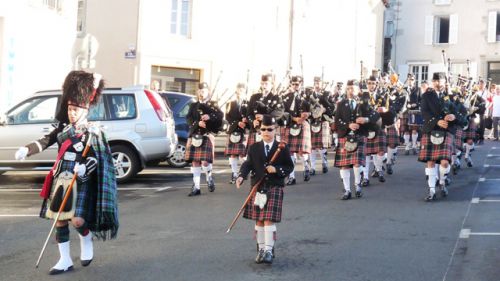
(85, 262)
(454, 169)
(194, 192)
(346, 196)
(389, 169)
(268, 257)
(211, 184)
(430, 197)
(381, 177)
(291, 181)
(260, 256)
(55, 271)
(407, 152)
(374, 174)
(307, 175)
(233, 179)
(313, 172)
(447, 181)
(444, 191)
(358, 193)
(325, 168)
(414, 151)
(469, 162)
(365, 182)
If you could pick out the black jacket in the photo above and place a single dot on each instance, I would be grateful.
(257, 161)
(235, 114)
(344, 116)
(302, 104)
(324, 99)
(196, 110)
(415, 99)
(434, 109)
(271, 104)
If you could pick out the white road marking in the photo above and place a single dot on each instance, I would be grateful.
(493, 155)
(464, 233)
(221, 171)
(490, 165)
(481, 179)
(475, 200)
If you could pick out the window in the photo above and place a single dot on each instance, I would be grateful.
(121, 106)
(81, 17)
(33, 111)
(184, 111)
(97, 112)
(493, 27)
(421, 73)
(53, 4)
(180, 18)
(442, 28)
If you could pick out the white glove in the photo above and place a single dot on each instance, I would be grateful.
(21, 153)
(80, 170)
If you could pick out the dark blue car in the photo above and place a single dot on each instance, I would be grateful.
(179, 103)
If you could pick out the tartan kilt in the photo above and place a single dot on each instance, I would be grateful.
(302, 142)
(284, 133)
(344, 158)
(235, 148)
(85, 199)
(403, 123)
(377, 144)
(271, 211)
(323, 138)
(250, 140)
(205, 152)
(432, 152)
(392, 136)
(470, 133)
(459, 140)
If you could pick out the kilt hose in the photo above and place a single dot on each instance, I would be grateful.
(344, 158)
(432, 152)
(238, 149)
(85, 197)
(459, 140)
(323, 138)
(205, 152)
(392, 136)
(377, 144)
(271, 211)
(470, 133)
(302, 142)
(284, 133)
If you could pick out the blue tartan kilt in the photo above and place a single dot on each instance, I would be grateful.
(377, 144)
(271, 211)
(85, 198)
(205, 152)
(432, 152)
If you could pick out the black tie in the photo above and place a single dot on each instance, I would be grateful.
(352, 104)
(267, 150)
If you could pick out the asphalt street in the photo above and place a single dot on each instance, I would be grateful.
(388, 234)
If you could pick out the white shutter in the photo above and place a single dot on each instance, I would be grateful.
(453, 39)
(492, 27)
(429, 30)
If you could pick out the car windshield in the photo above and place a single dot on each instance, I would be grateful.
(36, 110)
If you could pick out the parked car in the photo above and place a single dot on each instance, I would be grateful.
(138, 123)
(179, 103)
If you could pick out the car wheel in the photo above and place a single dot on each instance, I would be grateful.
(177, 159)
(126, 162)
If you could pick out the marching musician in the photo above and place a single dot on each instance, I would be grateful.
(458, 127)
(265, 206)
(476, 106)
(437, 140)
(412, 118)
(321, 116)
(236, 116)
(204, 119)
(298, 132)
(352, 118)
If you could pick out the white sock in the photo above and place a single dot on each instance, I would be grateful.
(436, 172)
(431, 181)
(305, 158)
(260, 236)
(414, 138)
(270, 231)
(442, 174)
(453, 158)
(357, 176)
(86, 247)
(196, 176)
(323, 156)
(207, 170)
(366, 168)
(378, 161)
(390, 155)
(313, 159)
(234, 165)
(294, 159)
(468, 147)
(64, 256)
(406, 137)
(345, 175)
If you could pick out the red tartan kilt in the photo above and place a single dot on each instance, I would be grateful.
(403, 124)
(251, 139)
(377, 144)
(284, 133)
(333, 127)
(205, 152)
(317, 140)
(271, 211)
(470, 133)
(302, 142)
(459, 141)
(344, 158)
(414, 127)
(392, 137)
(235, 148)
(432, 152)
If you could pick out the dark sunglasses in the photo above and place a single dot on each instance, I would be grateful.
(266, 129)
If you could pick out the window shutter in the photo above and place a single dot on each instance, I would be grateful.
(453, 39)
(492, 27)
(429, 30)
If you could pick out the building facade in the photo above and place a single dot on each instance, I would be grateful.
(420, 36)
(181, 42)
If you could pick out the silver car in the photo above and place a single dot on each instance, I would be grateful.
(139, 126)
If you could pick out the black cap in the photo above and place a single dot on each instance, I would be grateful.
(438, 76)
(268, 120)
(317, 79)
(203, 85)
(266, 77)
(296, 78)
(350, 82)
(372, 78)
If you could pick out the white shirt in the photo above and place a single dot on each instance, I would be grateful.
(270, 146)
(496, 106)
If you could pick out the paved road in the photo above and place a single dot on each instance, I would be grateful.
(389, 234)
